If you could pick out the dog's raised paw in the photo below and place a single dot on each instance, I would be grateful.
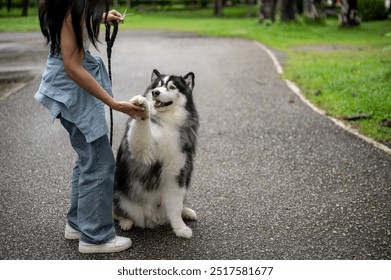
(184, 232)
(141, 101)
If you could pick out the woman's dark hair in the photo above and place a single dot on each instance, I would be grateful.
(52, 14)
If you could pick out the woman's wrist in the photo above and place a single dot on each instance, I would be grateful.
(114, 104)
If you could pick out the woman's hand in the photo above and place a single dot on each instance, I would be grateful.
(130, 109)
(111, 16)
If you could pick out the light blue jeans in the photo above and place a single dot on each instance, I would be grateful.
(91, 198)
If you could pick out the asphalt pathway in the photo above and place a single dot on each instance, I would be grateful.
(273, 179)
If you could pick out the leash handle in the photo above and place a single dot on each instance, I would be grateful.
(110, 38)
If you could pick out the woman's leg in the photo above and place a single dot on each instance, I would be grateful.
(95, 186)
(74, 197)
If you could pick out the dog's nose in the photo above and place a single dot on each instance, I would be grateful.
(155, 93)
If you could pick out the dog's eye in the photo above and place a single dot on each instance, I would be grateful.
(172, 88)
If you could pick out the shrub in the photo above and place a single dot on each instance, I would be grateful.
(372, 9)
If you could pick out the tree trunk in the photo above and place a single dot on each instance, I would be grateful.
(219, 8)
(250, 4)
(300, 6)
(25, 6)
(349, 15)
(267, 10)
(312, 9)
(288, 10)
(9, 5)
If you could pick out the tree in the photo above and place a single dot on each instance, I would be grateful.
(250, 4)
(349, 15)
(267, 10)
(312, 9)
(288, 10)
(25, 6)
(219, 4)
(9, 5)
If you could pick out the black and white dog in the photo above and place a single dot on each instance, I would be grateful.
(155, 160)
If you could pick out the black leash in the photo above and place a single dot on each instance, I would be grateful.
(110, 38)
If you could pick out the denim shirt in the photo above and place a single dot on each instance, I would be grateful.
(61, 95)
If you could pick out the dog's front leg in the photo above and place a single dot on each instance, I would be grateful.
(173, 203)
(141, 142)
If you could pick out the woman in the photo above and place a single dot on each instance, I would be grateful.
(74, 88)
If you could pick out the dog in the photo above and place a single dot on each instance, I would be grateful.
(155, 160)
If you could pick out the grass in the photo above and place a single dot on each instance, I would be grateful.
(343, 71)
(347, 83)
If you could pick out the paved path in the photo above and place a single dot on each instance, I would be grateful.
(273, 179)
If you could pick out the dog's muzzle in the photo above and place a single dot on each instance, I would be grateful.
(158, 103)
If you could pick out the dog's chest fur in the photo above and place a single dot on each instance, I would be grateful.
(167, 146)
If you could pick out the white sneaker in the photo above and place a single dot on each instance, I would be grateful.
(116, 244)
(71, 233)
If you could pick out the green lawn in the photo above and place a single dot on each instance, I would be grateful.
(343, 71)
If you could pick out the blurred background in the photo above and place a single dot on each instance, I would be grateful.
(336, 51)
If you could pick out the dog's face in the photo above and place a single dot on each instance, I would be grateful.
(168, 92)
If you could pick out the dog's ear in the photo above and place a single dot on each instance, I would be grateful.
(155, 75)
(189, 79)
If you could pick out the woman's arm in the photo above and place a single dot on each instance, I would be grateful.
(73, 58)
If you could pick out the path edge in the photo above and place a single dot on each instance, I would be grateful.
(296, 90)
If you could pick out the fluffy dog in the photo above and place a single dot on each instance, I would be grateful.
(154, 163)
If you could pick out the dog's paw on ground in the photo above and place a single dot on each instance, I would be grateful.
(184, 232)
(189, 214)
(126, 224)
